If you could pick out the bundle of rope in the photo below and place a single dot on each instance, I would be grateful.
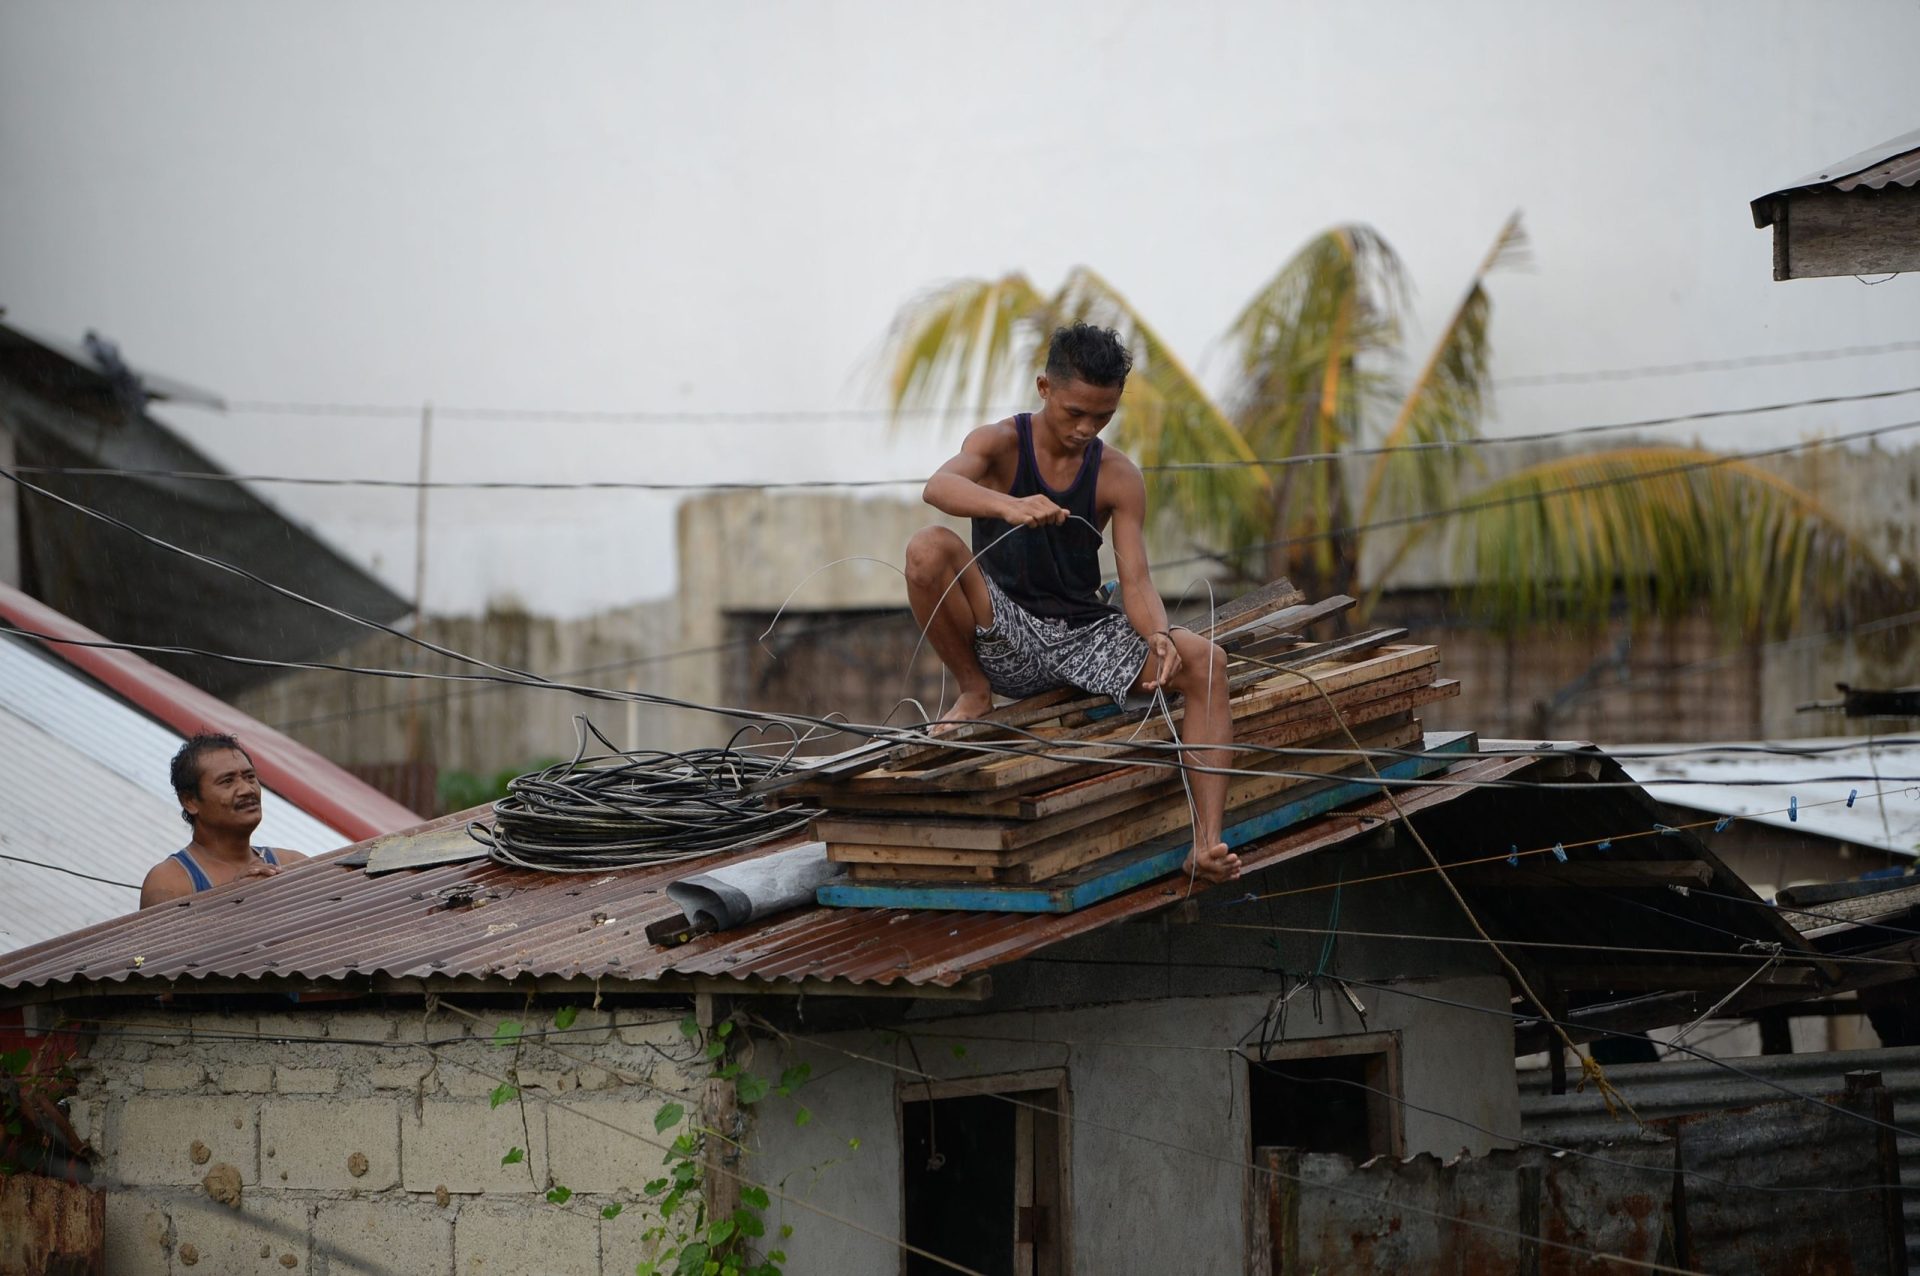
(633, 808)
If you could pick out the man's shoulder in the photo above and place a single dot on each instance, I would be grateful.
(1003, 433)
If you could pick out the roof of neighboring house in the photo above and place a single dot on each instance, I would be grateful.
(75, 408)
(454, 925)
(86, 736)
(1797, 793)
(1895, 162)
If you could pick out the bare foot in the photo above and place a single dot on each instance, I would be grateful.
(970, 705)
(1216, 865)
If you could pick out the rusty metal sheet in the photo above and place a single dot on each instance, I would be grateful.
(50, 1227)
(327, 920)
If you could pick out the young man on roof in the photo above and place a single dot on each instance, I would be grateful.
(220, 800)
(1026, 615)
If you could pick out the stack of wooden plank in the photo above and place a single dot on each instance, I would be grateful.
(1055, 789)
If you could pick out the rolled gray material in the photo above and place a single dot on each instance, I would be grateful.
(747, 891)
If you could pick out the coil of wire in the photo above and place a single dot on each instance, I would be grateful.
(633, 808)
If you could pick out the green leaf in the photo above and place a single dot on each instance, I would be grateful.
(959, 1051)
(715, 1049)
(726, 1029)
(854, 1143)
(779, 1255)
(750, 1089)
(669, 1115)
(564, 1019)
(506, 1033)
(14, 1062)
(731, 1071)
(795, 1077)
(749, 1223)
(720, 1231)
(611, 1211)
(502, 1093)
(514, 1156)
(803, 1116)
(646, 1269)
(559, 1195)
(693, 1257)
(786, 1233)
(655, 1186)
(671, 1201)
(754, 1196)
(690, 1028)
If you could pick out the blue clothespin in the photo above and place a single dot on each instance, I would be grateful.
(1851, 795)
(1666, 831)
(1721, 827)
(1604, 845)
(1560, 852)
(1793, 810)
(1513, 854)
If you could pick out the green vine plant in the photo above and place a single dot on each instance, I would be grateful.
(686, 1239)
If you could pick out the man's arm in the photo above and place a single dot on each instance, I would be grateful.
(957, 488)
(1120, 480)
(165, 880)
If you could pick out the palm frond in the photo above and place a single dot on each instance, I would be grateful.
(1665, 528)
(1445, 401)
(959, 345)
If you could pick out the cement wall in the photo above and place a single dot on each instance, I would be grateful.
(1159, 1134)
(354, 1148)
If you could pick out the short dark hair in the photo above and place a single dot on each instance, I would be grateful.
(186, 764)
(1084, 352)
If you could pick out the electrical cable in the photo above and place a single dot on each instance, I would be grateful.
(1265, 463)
(70, 872)
(630, 808)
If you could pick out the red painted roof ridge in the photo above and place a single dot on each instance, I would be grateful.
(320, 788)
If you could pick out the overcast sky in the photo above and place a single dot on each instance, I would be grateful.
(719, 207)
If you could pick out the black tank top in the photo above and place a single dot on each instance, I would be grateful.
(1049, 571)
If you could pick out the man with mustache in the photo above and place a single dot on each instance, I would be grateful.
(220, 799)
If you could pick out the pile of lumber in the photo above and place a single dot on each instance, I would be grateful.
(1064, 785)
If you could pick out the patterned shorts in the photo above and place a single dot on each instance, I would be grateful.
(1023, 654)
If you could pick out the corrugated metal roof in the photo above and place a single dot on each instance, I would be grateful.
(87, 789)
(341, 799)
(1890, 821)
(1895, 162)
(329, 921)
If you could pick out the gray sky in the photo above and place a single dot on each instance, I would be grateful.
(719, 207)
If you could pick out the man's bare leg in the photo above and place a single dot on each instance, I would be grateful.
(1202, 684)
(949, 613)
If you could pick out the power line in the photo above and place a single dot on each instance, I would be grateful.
(648, 485)
(1704, 365)
(70, 872)
(411, 411)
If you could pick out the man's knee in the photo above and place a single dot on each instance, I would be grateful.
(1203, 663)
(930, 557)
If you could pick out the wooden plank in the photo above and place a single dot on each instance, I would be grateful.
(904, 833)
(1286, 620)
(1134, 868)
(1299, 726)
(1024, 771)
(1270, 597)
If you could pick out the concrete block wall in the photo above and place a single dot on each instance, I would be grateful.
(364, 1141)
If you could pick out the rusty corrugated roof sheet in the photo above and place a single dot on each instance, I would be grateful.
(1895, 162)
(327, 921)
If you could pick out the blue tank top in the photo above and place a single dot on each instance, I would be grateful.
(1048, 571)
(201, 882)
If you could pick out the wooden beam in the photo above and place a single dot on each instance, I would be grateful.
(1693, 975)
(1859, 232)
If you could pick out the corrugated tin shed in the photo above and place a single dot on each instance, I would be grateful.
(1885, 820)
(87, 790)
(1895, 162)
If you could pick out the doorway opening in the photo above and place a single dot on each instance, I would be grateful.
(984, 1173)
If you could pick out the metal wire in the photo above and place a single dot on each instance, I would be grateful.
(628, 808)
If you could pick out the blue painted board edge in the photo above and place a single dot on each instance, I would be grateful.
(1070, 896)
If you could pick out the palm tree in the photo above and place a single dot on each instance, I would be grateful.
(1313, 355)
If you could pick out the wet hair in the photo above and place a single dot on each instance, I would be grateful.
(1087, 353)
(186, 764)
